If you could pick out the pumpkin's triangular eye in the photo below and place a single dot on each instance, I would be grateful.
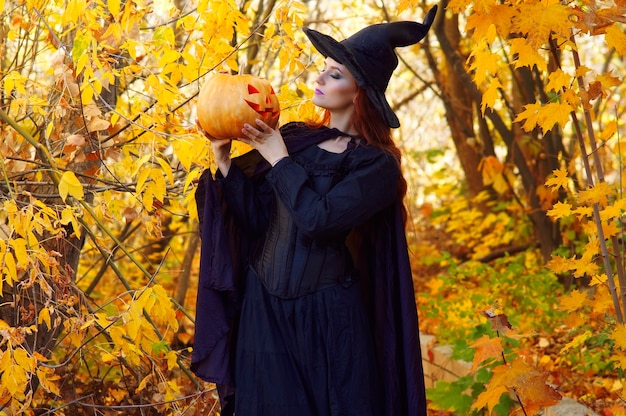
(252, 90)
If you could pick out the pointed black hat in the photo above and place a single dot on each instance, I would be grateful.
(370, 55)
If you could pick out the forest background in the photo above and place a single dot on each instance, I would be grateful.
(512, 134)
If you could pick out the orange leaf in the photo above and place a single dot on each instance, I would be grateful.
(486, 348)
(489, 398)
(527, 382)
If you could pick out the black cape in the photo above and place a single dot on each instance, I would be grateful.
(380, 252)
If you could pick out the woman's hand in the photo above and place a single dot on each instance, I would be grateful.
(268, 141)
(221, 151)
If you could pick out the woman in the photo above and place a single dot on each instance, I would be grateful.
(305, 277)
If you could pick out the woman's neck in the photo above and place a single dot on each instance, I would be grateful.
(342, 122)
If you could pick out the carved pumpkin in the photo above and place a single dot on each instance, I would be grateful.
(226, 102)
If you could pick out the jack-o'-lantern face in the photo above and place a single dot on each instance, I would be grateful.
(266, 109)
(227, 102)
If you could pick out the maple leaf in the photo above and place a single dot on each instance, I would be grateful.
(560, 210)
(599, 194)
(559, 179)
(559, 264)
(572, 301)
(486, 348)
(558, 80)
(610, 229)
(610, 212)
(619, 336)
(603, 302)
(526, 54)
(599, 279)
(532, 390)
(529, 116)
(527, 382)
(583, 212)
(552, 114)
(491, 94)
(489, 398)
(484, 63)
(481, 27)
(541, 20)
(615, 38)
(585, 266)
(608, 131)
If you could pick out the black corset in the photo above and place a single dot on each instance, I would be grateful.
(291, 265)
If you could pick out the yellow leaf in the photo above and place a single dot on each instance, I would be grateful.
(70, 185)
(15, 380)
(558, 264)
(21, 252)
(68, 217)
(114, 7)
(526, 54)
(144, 382)
(599, 194)
(484, 63)
(107, 357)
(610, 229)
(598, 279)
(554, 113)
(584, 267)
(44, 316)
(583, 212)
(172, 360)
(10, 269)
(608, 131)
(558, 80)
(24, 359)
(529, 116)
(167, 169)
(48, 379)
(482, 27)
(560, 210)
(572, 301)
(619, 336)
(491, 94)
(615, 38)
(560, 178)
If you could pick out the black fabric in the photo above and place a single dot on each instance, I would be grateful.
(379, 248)
(370, 55)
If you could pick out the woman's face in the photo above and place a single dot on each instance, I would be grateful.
(336, 88)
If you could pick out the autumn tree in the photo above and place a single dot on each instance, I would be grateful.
(543, 85)
(99, 161)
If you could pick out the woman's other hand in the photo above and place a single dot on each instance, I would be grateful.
(268, 141)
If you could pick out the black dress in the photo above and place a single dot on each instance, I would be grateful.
(305, 344)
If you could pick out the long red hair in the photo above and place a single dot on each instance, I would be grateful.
(372, 127)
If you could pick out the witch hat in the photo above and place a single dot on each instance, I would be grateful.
(370, 55)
